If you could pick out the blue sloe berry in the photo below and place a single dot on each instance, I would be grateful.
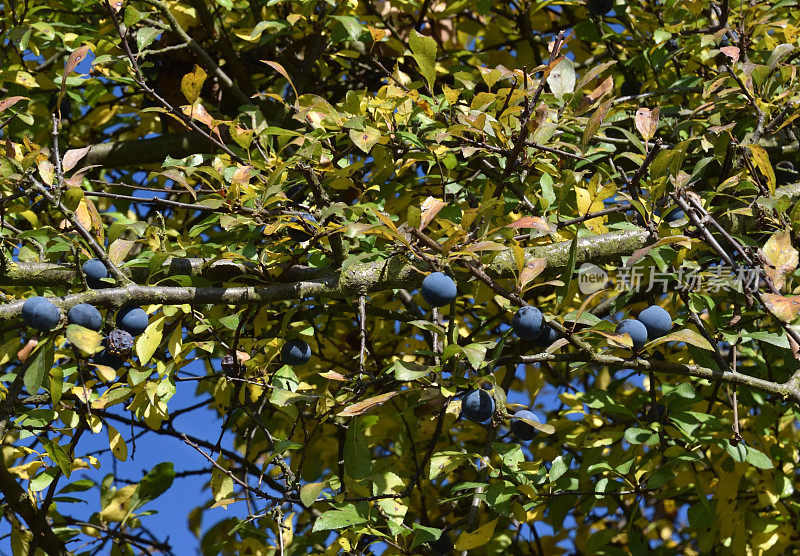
(547, 337)
(438, 289)
(478, 406)
(132, 320)
(521, 429)
(295, 352)
(528, 322)
(94, 270)
(85, 315)
(40, 313)
(636, 330)
(656, 320)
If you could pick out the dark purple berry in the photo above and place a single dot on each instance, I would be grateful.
(120, 343)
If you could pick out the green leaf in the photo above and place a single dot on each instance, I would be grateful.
(365, 139)
(424, 534)
(154, 484)
(86, 340)
(357, 455)
(408, 370)
(42, 480)
(282, 398)
(424, 52)
(41, 363)
(310, 492)
(475, 353)
(350, 24)
(758, 459)
(336, 519)
(145, 36)
(58, 455)
(132, 16)
(738, 452)
(636, 435)
(559, 466)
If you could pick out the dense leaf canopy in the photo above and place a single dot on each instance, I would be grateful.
(269, 179)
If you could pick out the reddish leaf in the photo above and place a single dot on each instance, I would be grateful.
(10, 101)
(532, 269)
(366, 405)
(72, 157)
(535, 222)
(430, 208)
(785, 308)
(731, 52)
(646, 122)
(74, 59)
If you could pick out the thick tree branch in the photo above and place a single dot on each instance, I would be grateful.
(141, 152)
(358, 279)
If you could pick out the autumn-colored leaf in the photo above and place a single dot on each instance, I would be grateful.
(430, 208)
(365, 405)
(785, 308)
(599, 92)
(72, 157)
(75, 58)
(531, 270)
(534, 222)
(280, 69)
(731, 52)
(10, 101)
(782, 257)
(192, 84)
(646, 121)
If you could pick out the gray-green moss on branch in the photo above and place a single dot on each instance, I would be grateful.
(357, 279)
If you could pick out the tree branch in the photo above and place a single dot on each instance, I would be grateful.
(393, 273)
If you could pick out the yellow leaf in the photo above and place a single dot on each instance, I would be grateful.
(86, 340)
(117, 443)
(46, 171)
(119, 249)
(686, 335)
(192, 83)
(148, 342)
(782, 256)
(468, 541)
(117, 508)
(221, 481)
(761, 160)
(366, 139)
